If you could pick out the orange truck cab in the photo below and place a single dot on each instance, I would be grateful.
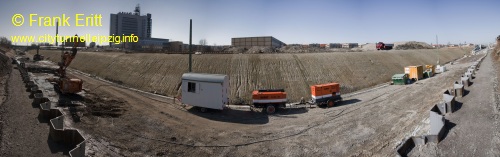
(325, 94)
(269, 99)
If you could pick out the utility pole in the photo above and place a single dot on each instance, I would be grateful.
(190, 44)
(437, 48)
(57, 30)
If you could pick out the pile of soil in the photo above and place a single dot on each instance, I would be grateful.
(261, 49)
(369, 47)
(300, 49)
(292, 49)
(413, 45)
(235, 49)
(104, 107)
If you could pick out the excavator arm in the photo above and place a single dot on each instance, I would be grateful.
(66, 57)
(65, 84)
(70, 57)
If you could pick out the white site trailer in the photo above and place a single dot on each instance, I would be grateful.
(205, 90)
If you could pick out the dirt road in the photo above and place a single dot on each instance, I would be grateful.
(371, 123)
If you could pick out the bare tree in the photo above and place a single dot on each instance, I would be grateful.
(202, 43)
(4, 41)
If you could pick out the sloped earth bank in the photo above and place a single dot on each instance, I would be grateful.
(5, 70)
(367, 124)
(161, 73)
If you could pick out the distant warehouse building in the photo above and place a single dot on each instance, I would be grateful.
(335, 45)
(248, 42)
(154, 43)
(314, 45)
(350, 45)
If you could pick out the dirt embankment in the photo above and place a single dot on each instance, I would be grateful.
(4, 75)
(161, 73)
(496, 50)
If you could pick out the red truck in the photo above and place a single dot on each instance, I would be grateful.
(383, 46)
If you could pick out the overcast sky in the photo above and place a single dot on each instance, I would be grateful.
(291, 21)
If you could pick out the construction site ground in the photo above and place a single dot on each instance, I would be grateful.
(474, 129)
(369, 123)
(477, 130)
(22, 132)
(123, 122)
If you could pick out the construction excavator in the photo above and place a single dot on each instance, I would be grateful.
(65, 84)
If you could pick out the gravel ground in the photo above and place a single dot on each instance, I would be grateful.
(22, 133)
(476, 131)
(474, 128)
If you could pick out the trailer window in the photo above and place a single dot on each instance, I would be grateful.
(191, 87)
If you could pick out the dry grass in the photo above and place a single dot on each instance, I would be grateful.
(247, 72)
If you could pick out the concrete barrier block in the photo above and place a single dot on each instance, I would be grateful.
(59, 134)
(30, 84)
(469, 75)
(79, 151)
(432, 138)
(441, 107)
(54, 112)
(26, 79)
(406, 147)
(44, 110)
(438, 137)
(459, 89)
(447, 96)
(72, 137)
(418, 140)
(449, 100)
(56, 131)
(39, 98)
(464, 81)
(437, 124)
(472, 69)
(48, 111)
(34, 88)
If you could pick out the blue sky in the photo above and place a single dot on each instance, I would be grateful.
(291, 21)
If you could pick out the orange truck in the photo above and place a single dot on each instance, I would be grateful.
(270, 99)
(325, 94)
